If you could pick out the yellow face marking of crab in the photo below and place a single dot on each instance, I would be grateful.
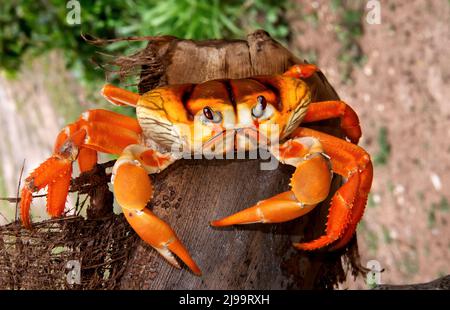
(193, 116)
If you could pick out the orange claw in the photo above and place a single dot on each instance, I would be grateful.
(25, 203)
(55, 171)
(279, 208)
(312, 179)
(348, 203)
(133, 189)
(310, 184)
(339, 216)
(57, 193)
(95, 130)
(160, 236)
(87, 159)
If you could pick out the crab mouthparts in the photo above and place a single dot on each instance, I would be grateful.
(234, 139)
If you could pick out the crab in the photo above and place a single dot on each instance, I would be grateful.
(221, 116)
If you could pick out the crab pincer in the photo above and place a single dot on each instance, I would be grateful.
(310, 185)
(133, 190)
(55, 173)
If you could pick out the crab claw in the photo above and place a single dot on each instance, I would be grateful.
(133, 189)
(310, 184)
(279, 208)
(54, 172)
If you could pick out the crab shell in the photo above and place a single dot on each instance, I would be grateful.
(172, 116)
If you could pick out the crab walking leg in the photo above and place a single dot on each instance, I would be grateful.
(87, 159)
(318, 111)
(53, 170)
(348, 203)
(95, 130)
(119, 96)
(310, 185)
(358, 207)
(133, 190)
(328, 109)
(102, 127)
(301, 71)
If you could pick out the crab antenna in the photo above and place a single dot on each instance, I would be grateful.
(119, 96)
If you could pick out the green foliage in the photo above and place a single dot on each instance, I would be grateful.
(30, 28)
(371, 202)
(431, 218)
(211, 19)
(372, 241)
(348, 31)
(369, 236)
(382, 157)
(442, 205)
(386, 235)
(267, 15)
(411, 263)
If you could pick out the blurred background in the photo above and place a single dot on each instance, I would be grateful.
(393, 69)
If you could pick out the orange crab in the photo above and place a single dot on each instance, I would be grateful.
(198, 116)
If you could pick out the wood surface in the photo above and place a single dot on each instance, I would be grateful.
(191, 193)
(442, 283)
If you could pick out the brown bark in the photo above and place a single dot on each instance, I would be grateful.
(191, 193)
(438, 284)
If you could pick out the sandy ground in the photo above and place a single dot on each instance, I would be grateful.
(401, 88)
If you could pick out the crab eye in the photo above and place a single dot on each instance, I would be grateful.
(208, 112)
(258, 109)
(215, 117)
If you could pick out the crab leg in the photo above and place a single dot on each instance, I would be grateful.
(133, 190)
(280, 208)
(120, 96)
(96, 130)
(348, 203)
(318, 111)
(53, 171)
(301, 71)
(358, 206)
(310, 185)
